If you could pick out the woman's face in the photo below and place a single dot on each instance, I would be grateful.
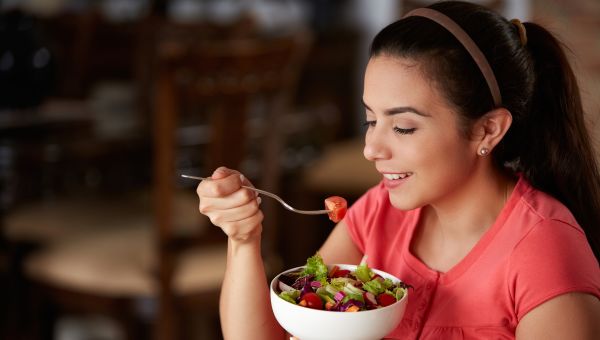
(412, 135)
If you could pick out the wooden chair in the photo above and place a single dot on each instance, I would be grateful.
(227, 79)
(144, 260)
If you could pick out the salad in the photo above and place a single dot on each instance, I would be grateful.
(315, 286)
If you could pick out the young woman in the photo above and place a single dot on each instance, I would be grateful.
(489, 203)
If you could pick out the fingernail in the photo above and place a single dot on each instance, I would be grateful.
(220, 170)
(258, 200)
(242, 178)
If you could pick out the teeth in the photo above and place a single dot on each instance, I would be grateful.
(397, 176)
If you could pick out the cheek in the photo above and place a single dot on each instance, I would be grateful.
(451, 158)
(447, 169)
(444, 151)
(440, 167)
(443, 164)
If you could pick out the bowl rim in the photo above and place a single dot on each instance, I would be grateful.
(329, 266)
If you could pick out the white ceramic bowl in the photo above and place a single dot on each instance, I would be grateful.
(313, 324)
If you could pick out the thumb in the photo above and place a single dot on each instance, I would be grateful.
(222, 172)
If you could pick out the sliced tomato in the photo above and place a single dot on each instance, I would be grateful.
(334, 269)
(385, 299)
(337, 207)
(337, 272)
(311, 300)
(340, 273)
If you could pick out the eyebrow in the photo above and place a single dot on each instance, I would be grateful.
(399, 109)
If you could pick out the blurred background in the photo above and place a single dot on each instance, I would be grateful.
(104, 103)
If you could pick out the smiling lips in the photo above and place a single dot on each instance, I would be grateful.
(393, 180)
(402, 175)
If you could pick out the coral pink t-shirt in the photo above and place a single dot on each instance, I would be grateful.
(533, 252)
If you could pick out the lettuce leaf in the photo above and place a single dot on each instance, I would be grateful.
(290, 295)
(375, 287)
(363, 272)
(316, 267)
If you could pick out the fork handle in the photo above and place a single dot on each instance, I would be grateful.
(287, 206)
(272, 195)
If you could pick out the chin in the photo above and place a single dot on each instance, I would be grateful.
(403, 203)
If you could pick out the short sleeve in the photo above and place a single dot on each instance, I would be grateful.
(554, 258)
(360, 213)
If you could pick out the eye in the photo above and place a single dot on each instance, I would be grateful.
(404, 131)
(369, 123)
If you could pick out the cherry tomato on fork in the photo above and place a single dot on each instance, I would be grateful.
(337, 207)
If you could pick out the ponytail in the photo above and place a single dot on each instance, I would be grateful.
(557, 156)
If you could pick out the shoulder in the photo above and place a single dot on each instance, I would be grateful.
(547, 228)
(538, 219)
(543, 205)
(552, 255)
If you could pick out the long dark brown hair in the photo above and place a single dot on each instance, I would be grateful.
(548, 141)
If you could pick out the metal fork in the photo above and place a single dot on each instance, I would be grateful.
(272, 195)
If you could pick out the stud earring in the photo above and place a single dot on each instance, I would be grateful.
(484, 151)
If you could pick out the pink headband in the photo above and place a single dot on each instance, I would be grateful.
(467, 42)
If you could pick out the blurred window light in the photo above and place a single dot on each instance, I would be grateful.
(7, 61)
(41, 58)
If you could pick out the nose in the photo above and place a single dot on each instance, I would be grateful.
(375, 147)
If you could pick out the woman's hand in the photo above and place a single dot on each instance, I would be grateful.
(236, 211)
(229, 206)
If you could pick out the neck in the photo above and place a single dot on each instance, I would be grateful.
(472, 208)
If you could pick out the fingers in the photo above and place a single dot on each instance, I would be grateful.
(222, 183)
(222, 172)
(239, 221)
(234, 216)
(246, 182)
(229, 206)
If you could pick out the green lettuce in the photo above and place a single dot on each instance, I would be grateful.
(290, 295)
(316, 267)
(374, 286)
(363, 272)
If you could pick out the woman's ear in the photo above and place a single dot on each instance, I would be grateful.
(491, 128)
